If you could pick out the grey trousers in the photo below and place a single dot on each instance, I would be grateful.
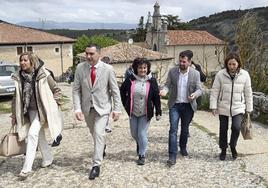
(96, 125)
(235, 127)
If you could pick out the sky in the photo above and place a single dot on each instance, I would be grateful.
(114, 11)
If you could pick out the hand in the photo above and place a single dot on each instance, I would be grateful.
(191, 97)
(115, 116)
(163, 93)
(158, 117)
(79, 116)
(214, 112)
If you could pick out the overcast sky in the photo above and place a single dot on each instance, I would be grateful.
(114, 11)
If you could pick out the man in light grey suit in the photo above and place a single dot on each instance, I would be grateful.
(94, 83)
(183, 85)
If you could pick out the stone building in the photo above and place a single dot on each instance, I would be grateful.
(208, 50)
(54, 50)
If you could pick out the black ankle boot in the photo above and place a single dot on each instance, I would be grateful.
(141, 160)
(234, 152)
(223, 154)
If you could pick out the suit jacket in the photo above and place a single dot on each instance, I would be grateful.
(193, 86)
(99, 95)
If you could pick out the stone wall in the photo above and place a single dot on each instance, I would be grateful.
(260, 102)
(260, 105)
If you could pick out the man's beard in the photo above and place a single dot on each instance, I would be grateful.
(183, 67)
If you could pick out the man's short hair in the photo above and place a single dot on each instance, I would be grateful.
(187, 53)
(94, 45)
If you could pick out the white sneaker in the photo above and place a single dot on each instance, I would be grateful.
(24, 175)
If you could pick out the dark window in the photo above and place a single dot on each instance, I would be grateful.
(155, 48)
(216, 53)
(155, 75)
(19, 50)
(29, 49)
(57, 50)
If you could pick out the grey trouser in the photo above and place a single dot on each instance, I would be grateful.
(235, 127)
(96, 125)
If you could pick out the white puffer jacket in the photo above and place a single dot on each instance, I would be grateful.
(231, 97)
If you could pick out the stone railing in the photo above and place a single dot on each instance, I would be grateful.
(260, 105)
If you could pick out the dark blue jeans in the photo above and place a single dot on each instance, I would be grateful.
(184, 112)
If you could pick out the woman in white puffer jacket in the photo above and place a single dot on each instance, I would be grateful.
(231, 96)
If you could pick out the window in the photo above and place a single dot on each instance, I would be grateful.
(29, 49)
(19, 50)
(57, 50)
(216, 52)
(155, 75)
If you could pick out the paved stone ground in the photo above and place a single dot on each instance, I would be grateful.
(72, 159)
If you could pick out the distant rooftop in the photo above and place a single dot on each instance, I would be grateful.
(188, 37)
(124, 52)
(14, 34)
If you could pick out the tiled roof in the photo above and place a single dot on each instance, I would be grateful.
(142, 44)
(14, 34)
(124, 52)
(188, 37)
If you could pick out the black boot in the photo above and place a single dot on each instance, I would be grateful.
(95, 172)
(234, 153)
(223, 154)
(141, 160)
(57, 141)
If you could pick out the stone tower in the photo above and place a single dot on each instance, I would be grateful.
(156, 31)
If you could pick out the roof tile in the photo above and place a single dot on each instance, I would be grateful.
(188, 37)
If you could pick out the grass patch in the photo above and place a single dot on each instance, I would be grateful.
(5, 107)
(204, 129)
(64, 101)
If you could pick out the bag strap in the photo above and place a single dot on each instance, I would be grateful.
(12, 129)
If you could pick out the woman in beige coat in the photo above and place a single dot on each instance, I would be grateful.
(231, 96)
(34, 107)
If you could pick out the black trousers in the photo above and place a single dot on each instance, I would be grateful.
(235, 127)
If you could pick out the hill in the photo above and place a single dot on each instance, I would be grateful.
(76, 25)
(223, 24)
(120, 35)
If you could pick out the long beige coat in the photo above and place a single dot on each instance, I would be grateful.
(47, 96)
(231, 97)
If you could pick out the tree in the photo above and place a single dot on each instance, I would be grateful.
(84, 40)
(250, 42)
(173, 22)
(80, 44)
(140, 34)
(102, 41)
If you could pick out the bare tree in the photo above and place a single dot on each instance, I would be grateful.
(250, 41)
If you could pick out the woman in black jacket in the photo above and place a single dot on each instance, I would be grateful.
(140, 95)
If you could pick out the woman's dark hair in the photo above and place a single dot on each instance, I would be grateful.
(139, 61)
(232, 56)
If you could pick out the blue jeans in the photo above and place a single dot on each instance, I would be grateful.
(184, 112)
(139, 131)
